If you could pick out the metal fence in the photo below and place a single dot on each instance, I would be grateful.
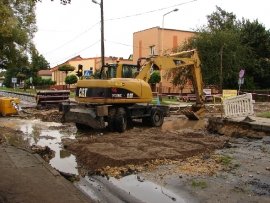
(238, 106)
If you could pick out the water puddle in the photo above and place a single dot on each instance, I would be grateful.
(130, 188)
(48, 134)
(146, 191)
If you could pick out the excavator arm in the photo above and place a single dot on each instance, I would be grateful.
(175, 61)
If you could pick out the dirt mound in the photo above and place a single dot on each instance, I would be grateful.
(140, 145)
(14, 137)
(47, 115)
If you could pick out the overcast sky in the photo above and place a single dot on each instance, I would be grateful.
(67, 31)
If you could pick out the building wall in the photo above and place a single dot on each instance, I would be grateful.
(158, 41)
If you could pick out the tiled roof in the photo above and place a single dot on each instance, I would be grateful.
(44, 73)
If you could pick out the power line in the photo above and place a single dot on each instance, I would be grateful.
(129, 16)
(147, 12)
(71, 40)
(76, 53)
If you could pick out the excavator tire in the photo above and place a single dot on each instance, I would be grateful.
(82, 127)
(157, 117)
(120, 120)
(111, 119)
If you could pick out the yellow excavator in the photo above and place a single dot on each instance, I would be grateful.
(123, 94)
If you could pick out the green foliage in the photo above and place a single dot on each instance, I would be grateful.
(2, 73)
(16, 31)
(38, 81)
(225, 160)
(199, 184)
(226, 46)
(155, 77)
(66, 68)
(264, 114)
(221, 20)
(71, 79)
(21, 76)
(38, 62)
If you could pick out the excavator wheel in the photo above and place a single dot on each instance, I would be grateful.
(120, 120)
(82, 127)
(111, 119)
(157, 117)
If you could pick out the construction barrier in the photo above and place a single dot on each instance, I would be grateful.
(238, 106)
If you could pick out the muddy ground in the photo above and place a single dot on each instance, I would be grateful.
(182, 155)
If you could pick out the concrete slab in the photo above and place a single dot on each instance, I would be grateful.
(26, 178)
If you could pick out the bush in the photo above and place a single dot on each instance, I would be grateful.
(154, 78)
(71, 79)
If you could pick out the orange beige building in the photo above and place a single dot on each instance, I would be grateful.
(158, 41)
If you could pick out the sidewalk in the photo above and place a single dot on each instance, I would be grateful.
(25, 177)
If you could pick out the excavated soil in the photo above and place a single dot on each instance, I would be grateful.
(232, 166)
(141, 145)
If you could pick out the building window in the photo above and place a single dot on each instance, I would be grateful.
(152, 50)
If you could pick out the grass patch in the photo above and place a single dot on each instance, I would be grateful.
(30, 91)
(198, 184)
(264, 114)
(165, 101)
(225, 160)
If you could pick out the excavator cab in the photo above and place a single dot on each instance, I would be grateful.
(121, 70)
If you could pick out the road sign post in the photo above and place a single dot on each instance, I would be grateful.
(14, 81)
(241, 79)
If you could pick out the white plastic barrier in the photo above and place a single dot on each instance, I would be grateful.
(238, 106)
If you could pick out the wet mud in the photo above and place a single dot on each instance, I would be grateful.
(187, 160)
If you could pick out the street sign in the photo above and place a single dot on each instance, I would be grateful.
(14, 80)
(87, 73)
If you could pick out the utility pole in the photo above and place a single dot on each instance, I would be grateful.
(102, 34)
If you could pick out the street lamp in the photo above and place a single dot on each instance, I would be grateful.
(162, 43)
(102, 33)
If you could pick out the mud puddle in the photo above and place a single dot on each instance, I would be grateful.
(38, 133)
(132, 188)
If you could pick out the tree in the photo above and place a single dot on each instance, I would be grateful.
(257, 38)
(221, 20)
(154, 79)
(38, 61)
(16, 32)
(71, 79)
(180, 77)
(66, 68)
(227, 45)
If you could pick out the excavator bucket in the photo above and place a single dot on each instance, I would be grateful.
(194, 113)
(51, 97)
(190, 114)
